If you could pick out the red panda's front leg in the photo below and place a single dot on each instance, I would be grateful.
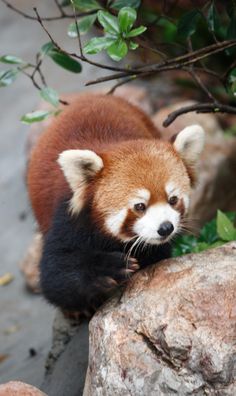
(79, 280)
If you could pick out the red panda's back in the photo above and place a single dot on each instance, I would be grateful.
(91, 122)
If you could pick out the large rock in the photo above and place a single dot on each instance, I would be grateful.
(18, 388)
(173, 332)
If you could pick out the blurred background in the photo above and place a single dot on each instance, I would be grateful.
(25, 318)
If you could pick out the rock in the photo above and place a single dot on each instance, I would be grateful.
(68, 359)
(30, 264)
(171, 333)
(17, 388)
(216, 187)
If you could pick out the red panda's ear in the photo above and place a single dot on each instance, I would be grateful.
(79, 166)
(189, 143)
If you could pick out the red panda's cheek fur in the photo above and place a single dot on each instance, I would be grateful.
(127, 168)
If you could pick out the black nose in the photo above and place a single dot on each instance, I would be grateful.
(165, 229)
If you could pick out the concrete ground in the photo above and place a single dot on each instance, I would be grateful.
(25, 319)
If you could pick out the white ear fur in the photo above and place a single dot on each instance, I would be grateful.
(189, 143)
(79, 165)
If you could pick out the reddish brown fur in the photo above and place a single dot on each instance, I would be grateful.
(92, 122)
(133, 165)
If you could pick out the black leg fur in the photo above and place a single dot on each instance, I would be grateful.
(80, 267)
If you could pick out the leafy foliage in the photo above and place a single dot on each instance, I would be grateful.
(168, 32)
(84, 25)
(86, 5)
(7, 77)
(118, 31)
(35, 116)
(50, 95)
(215, 233)
(61, 58)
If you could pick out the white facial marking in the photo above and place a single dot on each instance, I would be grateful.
(140, 196)
(186, 201)
(148, 225)
(115, 221)
(171, 190)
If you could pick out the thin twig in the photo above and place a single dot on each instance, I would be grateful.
(201, 84)
(119, 84)
(60, 8)
(196, 78)
(54, 18)
(199, 108)
(177, 63)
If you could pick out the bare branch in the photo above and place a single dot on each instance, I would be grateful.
(60, 8)
(54, 18)
(199, 108)
(178, 63)
(119, 84)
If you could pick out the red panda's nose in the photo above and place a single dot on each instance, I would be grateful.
(165, 229)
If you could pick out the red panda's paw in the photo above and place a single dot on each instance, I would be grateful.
(118, 271)
(132, 266)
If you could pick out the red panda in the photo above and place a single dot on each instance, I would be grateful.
(108, 195)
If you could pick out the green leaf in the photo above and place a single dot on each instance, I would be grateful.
(14, 60)
(118, 4)
(187, 24)
(225, 227)
(208, 233)
(65, 3)
(200, 246)
(133, 46)
(213, 19)
(118, 50)
(7, 77)
(61, 58)
(84, 24)
(136, 32)
(231, 82)
(86, 5)
(35, 116)
(97, 44)
(50, 95)
(126, 18)
(108, 22)
(47, 47)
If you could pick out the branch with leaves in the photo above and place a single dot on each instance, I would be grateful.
(189, 43)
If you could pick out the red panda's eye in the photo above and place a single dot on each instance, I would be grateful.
(140, 207)
(173, 200)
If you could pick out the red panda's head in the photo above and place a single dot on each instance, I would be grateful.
(137, 188)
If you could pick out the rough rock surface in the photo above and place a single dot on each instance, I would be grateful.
(172, 332)
(17, 388)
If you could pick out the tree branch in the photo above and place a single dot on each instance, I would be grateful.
(62, 15)
(199, 108)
